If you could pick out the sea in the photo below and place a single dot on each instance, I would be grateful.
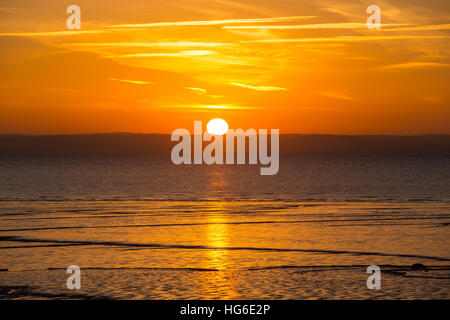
(140, 227)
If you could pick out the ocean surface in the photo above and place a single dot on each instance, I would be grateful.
(143, 228)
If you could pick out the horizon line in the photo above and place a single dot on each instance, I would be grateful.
(168, 134)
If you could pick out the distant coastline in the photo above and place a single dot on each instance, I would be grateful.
(141, 144)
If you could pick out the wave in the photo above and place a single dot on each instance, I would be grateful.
(290, 198)
(228, 223)
(14, 292)
(202, 247)
(408, 271)
(335, 267)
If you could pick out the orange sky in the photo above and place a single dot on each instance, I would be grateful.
(153, 66)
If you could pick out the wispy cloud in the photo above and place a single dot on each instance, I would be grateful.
(209, 22)
(131, 81)
(226, 107)
(413, 65)
(337, 95)
(52, 33)
(201, 108)
(344, 39)
(174, 54)
(217, 107)
(258, 88)
(200, 90)
(241, 6)
(341, 25)
(419, 28)
(149, 44)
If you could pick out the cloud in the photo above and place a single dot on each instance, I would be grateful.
(52, 33)
(258, 88)
(209, 22)
(130, 81)
(419, 28)
(149, 44)
(215, 96)
(175, 54)
(201, 108)
(197, 89)
(344, 39)
(340, 25)
(217, 107)
(413, 65)
(337, 95)
(240, 6)
(227, 107)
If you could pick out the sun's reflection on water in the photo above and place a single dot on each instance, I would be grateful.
(218, 235)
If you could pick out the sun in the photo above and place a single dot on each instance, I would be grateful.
(217, 126)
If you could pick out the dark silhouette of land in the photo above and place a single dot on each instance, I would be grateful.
(141, 144)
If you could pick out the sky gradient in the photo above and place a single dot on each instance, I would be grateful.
(153, 66)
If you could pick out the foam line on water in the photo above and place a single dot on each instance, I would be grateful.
(201, 247)
(222, 223)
